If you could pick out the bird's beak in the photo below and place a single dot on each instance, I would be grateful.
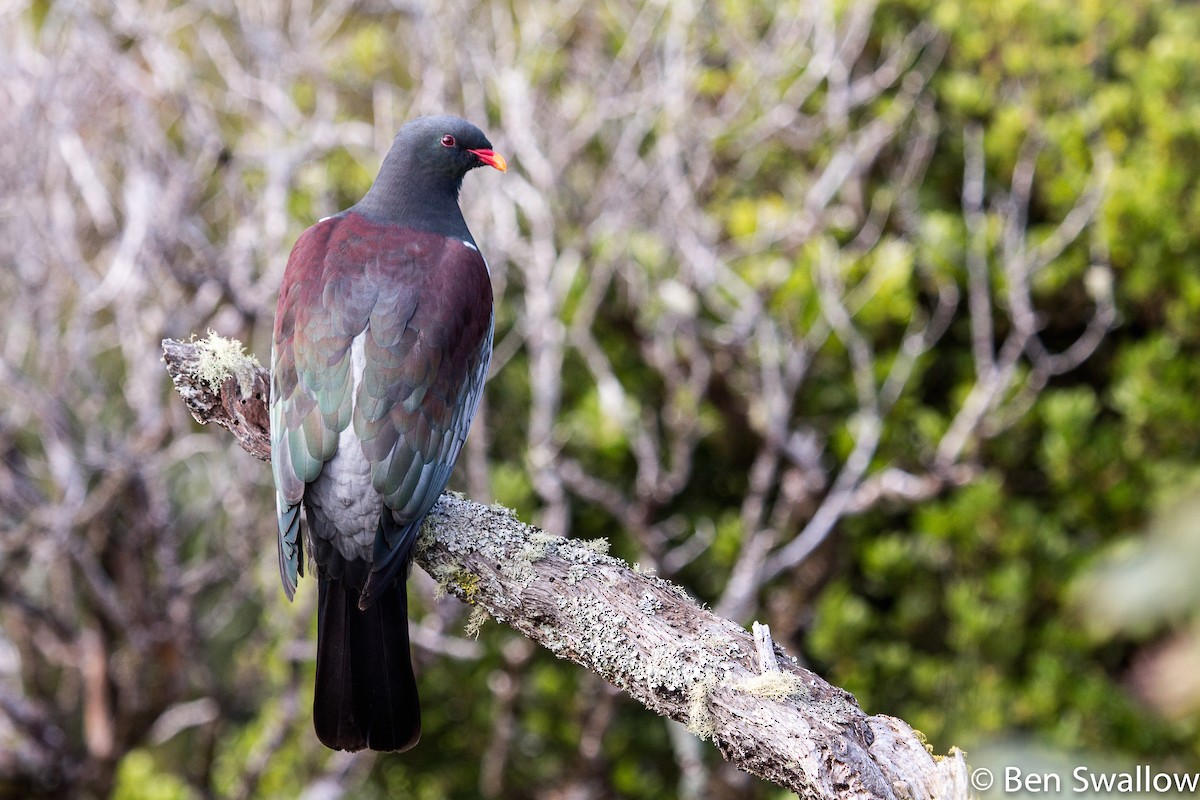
(491, 158)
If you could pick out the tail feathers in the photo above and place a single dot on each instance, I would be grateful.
(366, 695)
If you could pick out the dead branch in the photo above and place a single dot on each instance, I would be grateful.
(645, 635)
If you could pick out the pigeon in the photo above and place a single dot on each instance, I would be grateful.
(382, 339)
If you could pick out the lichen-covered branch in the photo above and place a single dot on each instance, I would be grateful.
(221, 384)
(637, 631)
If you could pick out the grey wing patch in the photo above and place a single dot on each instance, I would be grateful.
(290, 546)
(289, 490)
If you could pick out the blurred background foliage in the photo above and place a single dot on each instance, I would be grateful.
(872, 321)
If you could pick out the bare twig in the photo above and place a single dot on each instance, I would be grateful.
(764, 648)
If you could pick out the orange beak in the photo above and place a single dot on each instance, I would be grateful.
(491, 158)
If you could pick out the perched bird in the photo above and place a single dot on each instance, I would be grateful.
(383, 333)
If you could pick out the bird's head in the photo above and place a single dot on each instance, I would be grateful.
(445, 146)
(420, 178)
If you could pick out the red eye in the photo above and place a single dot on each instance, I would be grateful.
(448, 141)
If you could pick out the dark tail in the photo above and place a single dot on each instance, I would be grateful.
(366, 694)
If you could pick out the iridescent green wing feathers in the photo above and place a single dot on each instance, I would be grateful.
(423, 303)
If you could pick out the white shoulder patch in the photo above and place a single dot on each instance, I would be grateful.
(468, 244)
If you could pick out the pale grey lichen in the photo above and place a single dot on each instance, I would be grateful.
(603, 633)
(699, 719)
(666, 585)
(497, 507)
(219, 358)
(518, 569)
(648, 604)
(451, 578)
(598, 546)
(475, 621)
(533, 551)
(773, 686)
(729, 646)
(673, 669)
(427, 535)
(550, 638)
(544, 539)
(587, 551)
(665, 669)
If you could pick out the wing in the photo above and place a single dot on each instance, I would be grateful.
(323, 305)
(425, 302)
(421, 388)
